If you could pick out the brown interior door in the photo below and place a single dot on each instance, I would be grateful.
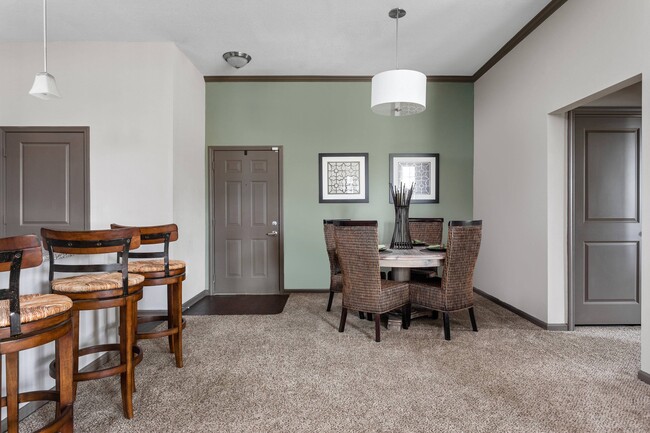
(46, 179)
(246, 221)
(607, 219)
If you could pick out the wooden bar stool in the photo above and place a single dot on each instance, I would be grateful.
(106, 286)
(162, 271)
(29, 321)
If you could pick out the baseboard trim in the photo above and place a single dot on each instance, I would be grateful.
(306, 290)
(644, 377)
(186, 305)
(523, 314)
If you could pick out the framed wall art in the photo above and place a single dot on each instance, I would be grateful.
(418, 169)
(343, 177)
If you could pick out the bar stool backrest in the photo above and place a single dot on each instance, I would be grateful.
(163, 234)
(92, 242)
(16, 253)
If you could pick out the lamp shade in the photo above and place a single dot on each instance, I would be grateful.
(399, 92)
(44, 87)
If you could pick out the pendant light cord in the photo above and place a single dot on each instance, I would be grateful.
(396, 38)
(45, 35)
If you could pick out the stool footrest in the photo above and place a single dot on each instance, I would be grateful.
(157, 334)
(55, 425)
(102, 372)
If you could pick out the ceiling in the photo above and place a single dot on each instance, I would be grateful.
(289, 37)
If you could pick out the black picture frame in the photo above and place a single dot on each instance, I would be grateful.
(337, 187)
(423, 193)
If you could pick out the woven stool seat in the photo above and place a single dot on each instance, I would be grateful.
(94, 282)
(145, 266)
(36, 307)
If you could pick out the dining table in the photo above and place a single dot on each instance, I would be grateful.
(402, 260)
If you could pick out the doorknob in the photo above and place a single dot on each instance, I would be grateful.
(273, 233)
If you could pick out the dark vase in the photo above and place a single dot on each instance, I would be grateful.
(401, 235)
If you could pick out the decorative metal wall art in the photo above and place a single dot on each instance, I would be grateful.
(418, 169)
(343, 177)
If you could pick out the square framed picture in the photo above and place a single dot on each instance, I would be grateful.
(418, 169)
(343, 177)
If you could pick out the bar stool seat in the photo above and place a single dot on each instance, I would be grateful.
(154, 266)
(105, 282)
(30, 321)
(34, 308)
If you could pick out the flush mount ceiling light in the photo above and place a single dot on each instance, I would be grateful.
(44, 86)
(398, 92)
(236, 59)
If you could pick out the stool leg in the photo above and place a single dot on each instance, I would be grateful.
(171, 310)
(126, 356)
(64, 366)
(12, 392)
(178, 323)
(134, 321)
(75, 350)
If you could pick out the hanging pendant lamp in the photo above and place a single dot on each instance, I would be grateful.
(44, 86)
(398, 92)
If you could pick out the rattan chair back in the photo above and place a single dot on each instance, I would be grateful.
(356, 247)
(427, 230)
(463, 244)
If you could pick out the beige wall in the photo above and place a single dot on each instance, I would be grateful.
(520, 154)
(144, 104)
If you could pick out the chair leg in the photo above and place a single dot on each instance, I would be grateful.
(344, 315)
(434, 314)
(178, 323)
(126, 356)
(171, 311)
(377, 327)
(63, 354)
(445, 321)
(472, 319)
(406, 316)
(369, 316)
(361, 315)
(12, 392)
(329, 302)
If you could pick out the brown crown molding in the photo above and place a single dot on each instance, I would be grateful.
(537, 20)
(321, 78)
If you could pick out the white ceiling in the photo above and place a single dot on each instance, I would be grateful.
(288, 37)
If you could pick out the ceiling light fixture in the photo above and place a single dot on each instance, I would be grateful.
(44, 86)
(398, 92)
(236, 59)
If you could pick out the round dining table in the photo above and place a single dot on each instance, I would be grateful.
(403, 260)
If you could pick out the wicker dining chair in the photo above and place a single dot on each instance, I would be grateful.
(454, 291)
(336, 278)
(429, 231)
(363, 288)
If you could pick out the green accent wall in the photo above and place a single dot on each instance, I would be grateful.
(311, 118)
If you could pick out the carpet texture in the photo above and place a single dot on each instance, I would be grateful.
(294, 372)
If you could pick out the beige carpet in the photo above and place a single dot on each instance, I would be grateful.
(294, 372)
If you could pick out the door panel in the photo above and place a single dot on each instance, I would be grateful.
(46, 180)
(607, 220)
(246, 212)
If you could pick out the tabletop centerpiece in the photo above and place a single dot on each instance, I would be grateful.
(401, 199)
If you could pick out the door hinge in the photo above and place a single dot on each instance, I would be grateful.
(275, 149)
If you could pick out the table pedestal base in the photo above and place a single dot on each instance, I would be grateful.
(401, 274)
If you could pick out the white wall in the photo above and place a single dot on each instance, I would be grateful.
(144, 104)
(520, 148)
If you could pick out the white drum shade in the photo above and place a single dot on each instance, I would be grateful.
(44, 87)
(399, 92)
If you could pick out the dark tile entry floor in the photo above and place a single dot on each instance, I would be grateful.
(238, 304)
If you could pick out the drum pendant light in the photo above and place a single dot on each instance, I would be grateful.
(398, 92)
(44, 86)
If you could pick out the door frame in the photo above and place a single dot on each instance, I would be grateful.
(211, 220)
(571, 117)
